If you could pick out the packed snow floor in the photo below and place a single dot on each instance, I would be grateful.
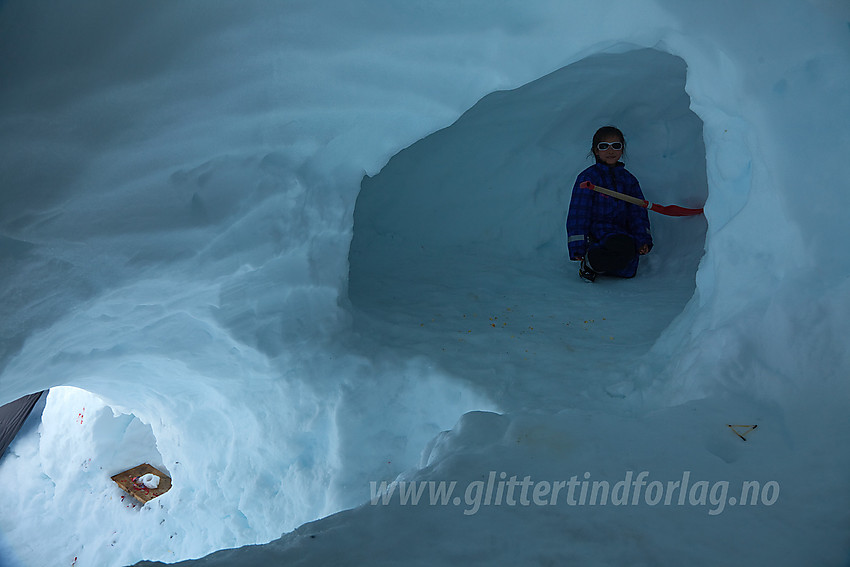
(527, 332)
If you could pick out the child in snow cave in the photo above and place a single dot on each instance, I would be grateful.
(605, 234)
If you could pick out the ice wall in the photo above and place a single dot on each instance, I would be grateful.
(179, 185)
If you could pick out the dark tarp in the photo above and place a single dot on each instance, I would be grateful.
(12, 418)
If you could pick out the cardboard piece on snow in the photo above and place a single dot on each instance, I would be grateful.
(130, 482)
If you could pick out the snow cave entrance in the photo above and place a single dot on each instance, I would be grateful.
(84, 440)
(460, 238)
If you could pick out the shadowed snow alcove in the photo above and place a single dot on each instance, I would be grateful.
(470, 220)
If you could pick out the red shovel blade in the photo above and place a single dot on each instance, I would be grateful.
(674, 210)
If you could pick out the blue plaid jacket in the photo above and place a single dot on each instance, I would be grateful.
(593, 216)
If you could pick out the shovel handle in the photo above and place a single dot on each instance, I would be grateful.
(610, 193)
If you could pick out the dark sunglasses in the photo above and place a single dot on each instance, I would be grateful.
(602, 146)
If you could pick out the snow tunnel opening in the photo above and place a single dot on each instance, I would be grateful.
(468, 222)
(84, 440)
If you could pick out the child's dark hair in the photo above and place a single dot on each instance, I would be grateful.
(606, 132)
